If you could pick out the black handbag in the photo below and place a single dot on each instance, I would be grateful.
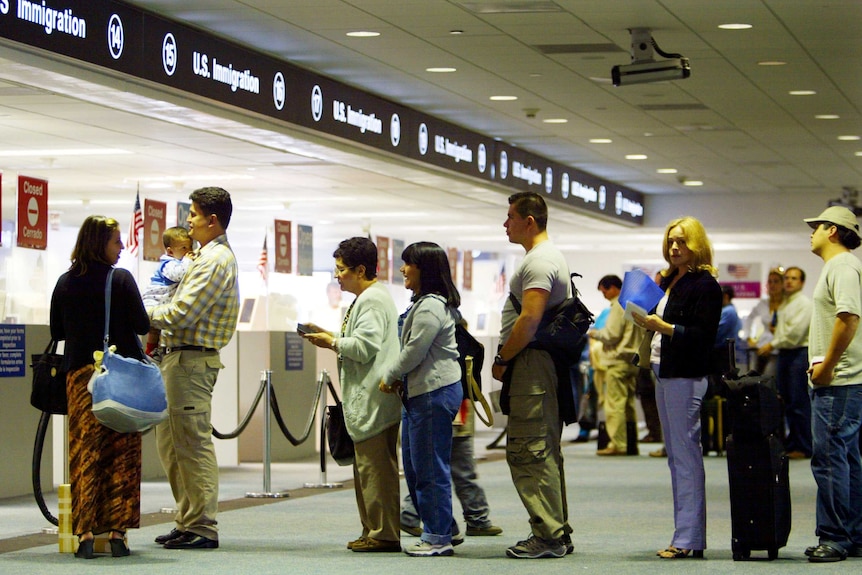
(49, 381)
(340, 443)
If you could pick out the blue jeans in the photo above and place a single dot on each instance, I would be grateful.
(792, 379)
(426, 446)
(836, 464)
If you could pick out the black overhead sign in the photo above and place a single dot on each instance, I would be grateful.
(126, 39)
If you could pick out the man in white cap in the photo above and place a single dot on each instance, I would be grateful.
(835, 356)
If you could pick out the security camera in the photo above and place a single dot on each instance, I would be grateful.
(642, 73)
(644, 68)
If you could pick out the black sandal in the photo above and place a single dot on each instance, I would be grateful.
(85, 548)
(118, 545)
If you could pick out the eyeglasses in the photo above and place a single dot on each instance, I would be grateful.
(341, 271)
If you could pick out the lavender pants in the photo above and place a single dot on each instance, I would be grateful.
(679, 401)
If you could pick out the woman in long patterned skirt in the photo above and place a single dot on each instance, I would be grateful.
(105, 466)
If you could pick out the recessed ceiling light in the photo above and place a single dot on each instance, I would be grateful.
(827, 116)
(772, 63)
(601, 141)
(666, 171)
(440, 70)
(692, 183)
(859, 153)
(636, 156)
(456, 32)
(556, 121)
(503, 98)
(735, 26)
(801, 92)
(363, 34)
(848, 138)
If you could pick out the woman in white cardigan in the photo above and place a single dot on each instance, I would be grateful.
(366, 345)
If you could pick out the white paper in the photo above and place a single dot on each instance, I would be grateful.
(632, 307)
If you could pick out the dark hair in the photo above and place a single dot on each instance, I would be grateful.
(848, 238)
(213, 200)
(174, 235)
(93, 238)
(531, 204)
(728, 291)
(358, 251)
(435, 275)
(610, 281)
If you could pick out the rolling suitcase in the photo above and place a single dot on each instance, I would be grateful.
(757, 468)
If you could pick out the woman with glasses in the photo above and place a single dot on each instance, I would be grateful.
(366, 344)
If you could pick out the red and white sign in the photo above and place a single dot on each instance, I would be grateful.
(32, 213)
(155, 223)
(283, 248)
(468, 270)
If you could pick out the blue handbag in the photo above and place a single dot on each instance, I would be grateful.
(128, 394)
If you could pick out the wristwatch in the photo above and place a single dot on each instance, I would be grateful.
(498, 360)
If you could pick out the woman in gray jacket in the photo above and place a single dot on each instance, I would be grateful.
(428, 377)
(366, 345)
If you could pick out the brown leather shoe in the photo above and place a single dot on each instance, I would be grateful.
(610, 450)
(350, 544)
(372, 545)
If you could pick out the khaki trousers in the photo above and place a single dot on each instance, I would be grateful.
(620, 384)
(533, 446)
(375, 481)
(184, 440)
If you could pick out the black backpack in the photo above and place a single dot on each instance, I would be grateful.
(563, 329)
(469, 345)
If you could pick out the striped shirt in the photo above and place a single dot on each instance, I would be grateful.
(205, 306)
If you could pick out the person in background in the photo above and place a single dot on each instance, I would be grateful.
(199, 320)
(620, 340)
(760, 324)
(428, 377)
(729, 327)
(680, 336)
(791, 341)
(172, 267)
(104, 466)
(530, 383)
(835, 358)
(366, 344)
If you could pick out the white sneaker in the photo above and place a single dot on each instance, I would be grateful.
(425, 549)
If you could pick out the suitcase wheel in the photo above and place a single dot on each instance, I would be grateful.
(741, 553)
(773, 553)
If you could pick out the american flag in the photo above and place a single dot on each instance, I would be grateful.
(263, 262)
(136, 227)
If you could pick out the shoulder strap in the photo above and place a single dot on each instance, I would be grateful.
(476, 393)
(108, 306)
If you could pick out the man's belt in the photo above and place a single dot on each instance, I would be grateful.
(169, 350)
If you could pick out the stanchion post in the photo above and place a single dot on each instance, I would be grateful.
(266, 376)
(323, 484)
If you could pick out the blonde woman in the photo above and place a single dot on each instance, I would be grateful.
(681, 331)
